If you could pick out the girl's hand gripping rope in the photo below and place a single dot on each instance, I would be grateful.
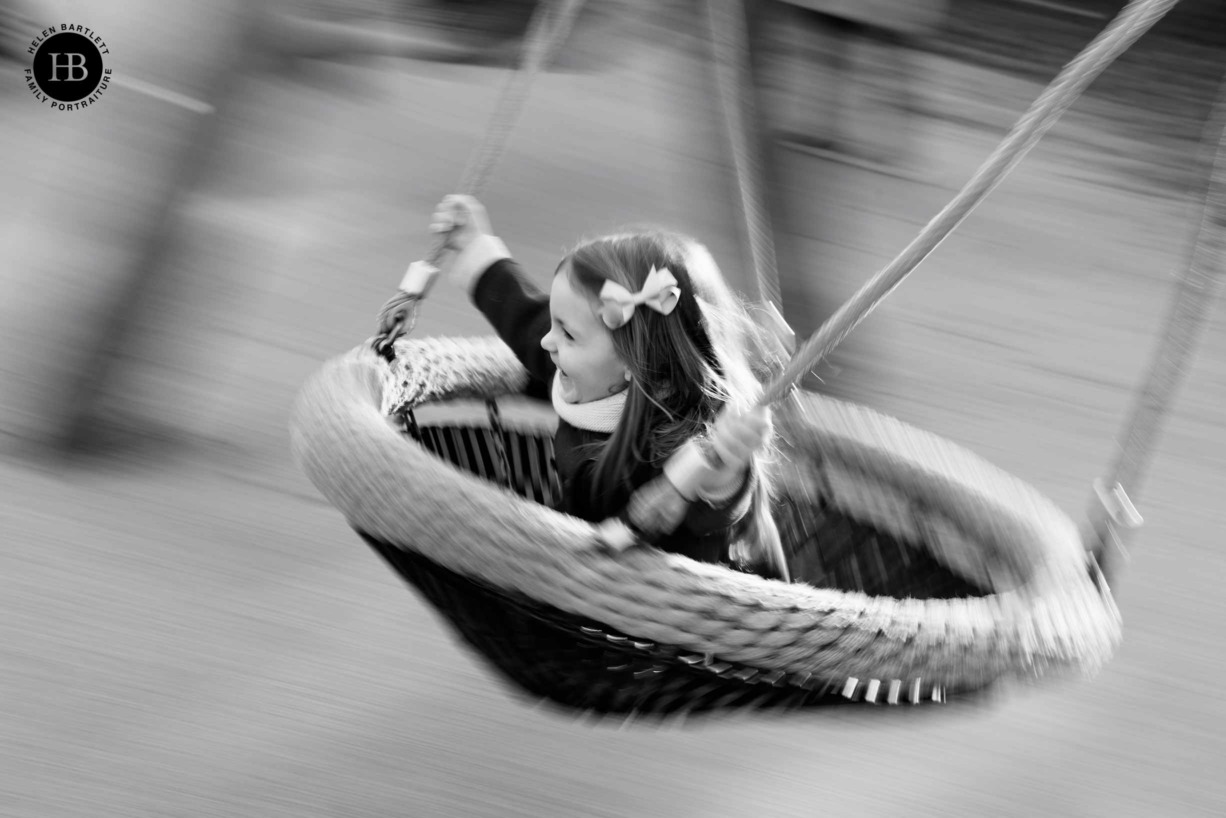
(712, 471)
(470, 245)
(462, 220)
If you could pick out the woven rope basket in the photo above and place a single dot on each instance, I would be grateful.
(922, 570)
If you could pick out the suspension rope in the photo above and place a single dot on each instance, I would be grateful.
(1189, 309)
(551, 25)
(734, 81)
(1133, 21)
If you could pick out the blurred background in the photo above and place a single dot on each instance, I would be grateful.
(186, 628)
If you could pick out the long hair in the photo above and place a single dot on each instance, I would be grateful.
(685, 367)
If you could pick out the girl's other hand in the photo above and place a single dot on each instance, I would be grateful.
(737, 436)
(462, 219)
(733, 440)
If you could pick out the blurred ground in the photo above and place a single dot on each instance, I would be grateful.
(186, 629)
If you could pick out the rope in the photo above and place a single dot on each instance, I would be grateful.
(734, 81)
(1189, 309)
(1133, 21)
(550, 26)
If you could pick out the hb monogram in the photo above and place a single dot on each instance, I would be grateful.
(70, 64)
(68, 71)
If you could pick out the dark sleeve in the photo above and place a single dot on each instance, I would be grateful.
(703, 518)
(519, 313)
(577, 494)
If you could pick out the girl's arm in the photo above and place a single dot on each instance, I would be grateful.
(516, 309)
(519, 313)
(483, 267)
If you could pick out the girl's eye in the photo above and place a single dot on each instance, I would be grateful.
(567, 335)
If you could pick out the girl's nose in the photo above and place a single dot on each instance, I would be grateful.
(547, 342)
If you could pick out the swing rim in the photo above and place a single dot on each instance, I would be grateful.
(397, 492)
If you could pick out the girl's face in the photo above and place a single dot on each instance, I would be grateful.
(581, 346)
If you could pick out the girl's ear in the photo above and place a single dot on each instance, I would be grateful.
(629, 377)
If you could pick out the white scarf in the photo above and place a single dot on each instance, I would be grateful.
(594, 416)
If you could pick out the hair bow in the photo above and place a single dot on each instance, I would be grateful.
(660, 292)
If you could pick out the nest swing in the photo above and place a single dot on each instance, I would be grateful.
(925, 571)
(920, 570)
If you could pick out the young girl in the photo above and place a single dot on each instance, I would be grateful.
(647, 355)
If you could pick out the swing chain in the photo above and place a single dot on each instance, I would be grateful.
(1115, 514)
(551, 24)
